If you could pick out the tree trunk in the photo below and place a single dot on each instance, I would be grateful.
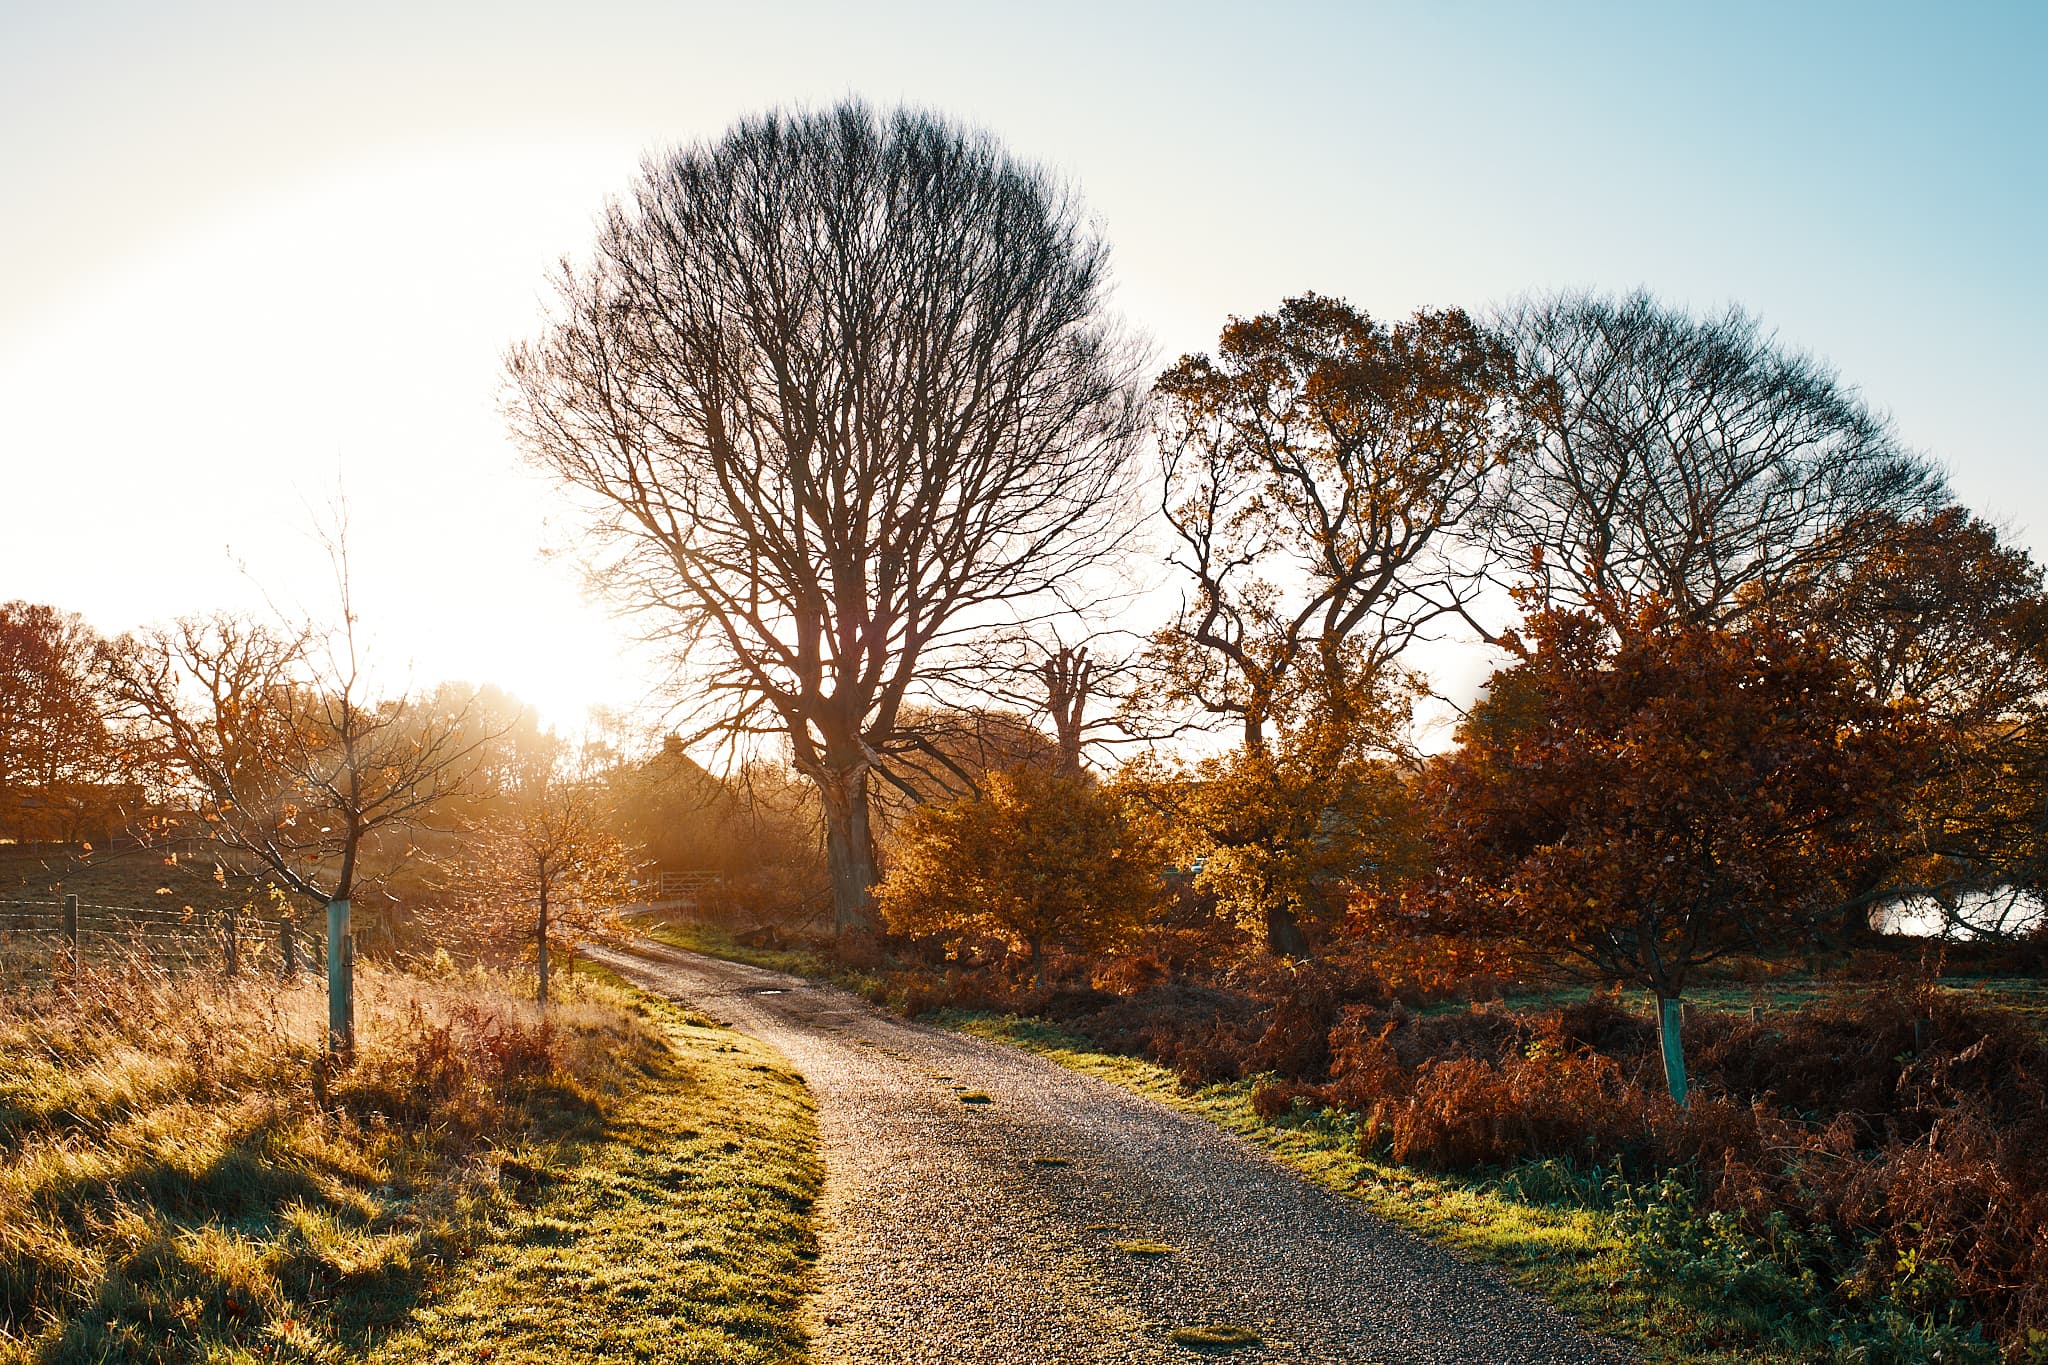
(1670, 1021)
(1283, 933)
(850, 852)
(543, 992)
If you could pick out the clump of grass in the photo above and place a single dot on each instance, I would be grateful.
(1215, 1336)
(976, 1097)
(1146, 1248)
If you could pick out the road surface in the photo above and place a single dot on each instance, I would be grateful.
(976, 1197)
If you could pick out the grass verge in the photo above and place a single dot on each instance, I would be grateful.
(681, 1234)
(179, 1183)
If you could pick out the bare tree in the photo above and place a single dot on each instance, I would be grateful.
(1688, 459)
(1317, 473)
(542, 853)
(1091, 689)
(835, 391)
(290, 758)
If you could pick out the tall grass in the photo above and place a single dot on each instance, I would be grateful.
(182, 1177)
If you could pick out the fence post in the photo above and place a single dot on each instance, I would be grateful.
(287, 948)
(71, 927)
(234, 944)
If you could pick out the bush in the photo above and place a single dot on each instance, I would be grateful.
(1041, 861)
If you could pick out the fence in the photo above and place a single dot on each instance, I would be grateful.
(70, 933)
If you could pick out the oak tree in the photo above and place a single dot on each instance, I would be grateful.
(1038, 859)
(836, 391)
(1318, 473)
(64, 765)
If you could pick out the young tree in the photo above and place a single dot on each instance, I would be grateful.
(1646, 806)
(543, 851)
(1039, 859)
(1317, 474)
(1284, 833)
(835, 391)
(291, 760)
(1686, 460)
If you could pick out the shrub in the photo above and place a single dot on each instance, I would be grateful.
(1042, 861)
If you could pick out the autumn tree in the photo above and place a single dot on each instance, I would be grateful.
(1939, 612)
(294, 761)
(542, 852)
(1686, 460)
(1284, 833)
(836, 391)
(952, 751)
(1643, 807)
(61, 761)
(1317, 474)
(1038, 859)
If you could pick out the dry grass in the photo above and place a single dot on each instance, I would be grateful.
(181, 1181)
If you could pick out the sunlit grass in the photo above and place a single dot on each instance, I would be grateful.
(174, 1187)
(683, 1234)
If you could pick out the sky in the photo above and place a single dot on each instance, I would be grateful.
(255, 254)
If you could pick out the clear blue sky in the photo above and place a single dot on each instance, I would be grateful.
(249, 246)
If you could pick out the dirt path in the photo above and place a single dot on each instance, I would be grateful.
(961, 1231)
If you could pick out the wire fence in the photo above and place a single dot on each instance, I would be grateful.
(40, 936)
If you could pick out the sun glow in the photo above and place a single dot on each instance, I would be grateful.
(189, 417)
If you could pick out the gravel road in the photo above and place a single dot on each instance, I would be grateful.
(955, 1230)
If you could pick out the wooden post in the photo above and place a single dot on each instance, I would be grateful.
(71, 927)
(231, 949)
(287, 948)
(341, 995)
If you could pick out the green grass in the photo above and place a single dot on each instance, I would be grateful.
(682, 1233)
(2021, 995)
(715, 942)
(174, 1187)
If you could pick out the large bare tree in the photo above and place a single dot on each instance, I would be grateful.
(835, 390)
(1688, 459)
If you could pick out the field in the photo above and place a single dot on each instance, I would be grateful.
(185, 1181)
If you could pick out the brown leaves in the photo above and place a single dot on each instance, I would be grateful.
(1648, 803)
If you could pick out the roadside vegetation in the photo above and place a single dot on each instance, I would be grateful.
(185, 1178)
(1856, 1179)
